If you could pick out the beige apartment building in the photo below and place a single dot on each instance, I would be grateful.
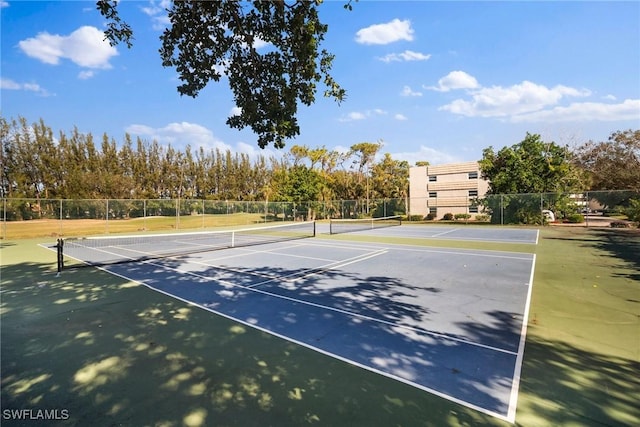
(449, 188)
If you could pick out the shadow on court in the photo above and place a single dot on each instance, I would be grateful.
(113, 353)
(379, 322)
(573, 387)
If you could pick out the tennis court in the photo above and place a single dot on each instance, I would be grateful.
(386, 226)
(448, 321)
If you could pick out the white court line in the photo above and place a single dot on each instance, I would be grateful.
(445, 232)
(491, 253)
(515, 385)
(471, 253)
(252, 288)
(342, 264)
(350, 313)
(435, 392)
(430, 249)
(420, 235)
(317, 270)
(244, 250)
(325, 307)
(369, 368)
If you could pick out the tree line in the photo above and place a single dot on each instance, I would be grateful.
(534, 167)
(39, 164)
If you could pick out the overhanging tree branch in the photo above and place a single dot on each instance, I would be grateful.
(209, 39)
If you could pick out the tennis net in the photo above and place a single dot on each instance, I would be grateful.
(337, 226)
(104, 250)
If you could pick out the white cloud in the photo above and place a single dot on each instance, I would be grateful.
(352, 116)
(160, 22)
(455, 80)
(157, 12)
(235, 111)
(407, 55)
(385, 33)
(9, 84)
(85, 47)
(433, 156)
(86, 74)
(4, 4)
(585, 111)
(357, 115)
(258, 43)
(400, 117)
(609, 97)
(179, 135)
(253, 151)
(406, 91)
(498, 101)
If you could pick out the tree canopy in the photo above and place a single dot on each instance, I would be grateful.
(613, 164)
(208, 39)
(37, 164)
(522, 172)
(531, 166)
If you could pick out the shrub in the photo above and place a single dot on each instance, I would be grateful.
(633, 211)
(620, 224)
(430, 217)
(464, 216)
(483, 218)
(575, 218)
(448, 216)
(415, 218)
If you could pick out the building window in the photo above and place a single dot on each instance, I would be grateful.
(433, 194)
(433, 178)
(433, 210)
(473, 193)
(473, 175)
(473, 209)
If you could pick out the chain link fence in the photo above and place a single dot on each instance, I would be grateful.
(590, 208)
(23, 218)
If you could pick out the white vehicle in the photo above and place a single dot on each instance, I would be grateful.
(548, 215)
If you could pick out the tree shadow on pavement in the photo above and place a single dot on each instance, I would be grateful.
(110, 352)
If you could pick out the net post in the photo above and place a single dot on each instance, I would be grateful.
(314, 229)
(60, 255)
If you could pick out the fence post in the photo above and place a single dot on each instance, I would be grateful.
(178, 213)
(4, 218)
(586, 209)
(501, 209)
(61, 218)
(106, 215)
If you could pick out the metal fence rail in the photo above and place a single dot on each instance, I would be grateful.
(63, 217)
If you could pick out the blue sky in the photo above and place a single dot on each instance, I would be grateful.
(436, 81)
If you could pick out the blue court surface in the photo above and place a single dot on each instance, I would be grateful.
(453, 232)
(451, 322)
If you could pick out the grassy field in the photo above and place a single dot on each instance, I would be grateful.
(84, 227)
(111, 352)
